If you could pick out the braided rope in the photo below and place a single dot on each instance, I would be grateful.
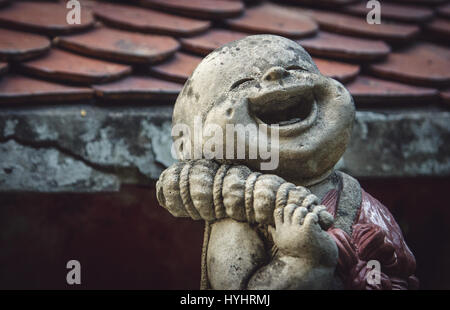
(185, 192)
(249, 186)
(219, 207)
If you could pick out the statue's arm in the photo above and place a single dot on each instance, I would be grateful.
(233, 198)
(205, 190)
(307, 256)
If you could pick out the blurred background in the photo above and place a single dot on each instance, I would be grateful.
(126, 240)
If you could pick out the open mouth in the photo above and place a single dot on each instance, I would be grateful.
(292, 110)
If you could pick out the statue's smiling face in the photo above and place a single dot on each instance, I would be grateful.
(272, 82)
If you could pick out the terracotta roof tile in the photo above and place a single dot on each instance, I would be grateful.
(337, 70)
(129, 47)
(357, 26)
(138, 88)
(344, 47)
(15, 45)
(325, 3)
(344, 42)
(422, 2)
(365, 89)
(445, 96)
(440, 28)
(205, 43)
(21, 89)
(149, 21)
(393, 11)
(177, 69)
(211, 9)
(444, 10)
(423, 63)
(269, 18)
(43, 17)
(68, 67)
(3, 67)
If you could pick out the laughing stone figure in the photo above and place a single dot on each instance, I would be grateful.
(297, 224)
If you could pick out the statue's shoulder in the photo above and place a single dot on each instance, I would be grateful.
(349, 202)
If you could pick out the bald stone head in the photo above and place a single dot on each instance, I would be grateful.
(270, 82)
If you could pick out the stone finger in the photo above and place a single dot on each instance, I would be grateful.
(299, 215)
(278, 216)
(309, 201)
(288, 211)
(297, 195)
(326, 220)
(311, 219)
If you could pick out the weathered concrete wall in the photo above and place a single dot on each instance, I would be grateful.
(89, 148)
(399, 144)
(82, 148)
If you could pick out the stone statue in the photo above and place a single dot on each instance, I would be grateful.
(301, 225)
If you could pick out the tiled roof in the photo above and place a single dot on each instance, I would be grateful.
(144, 50)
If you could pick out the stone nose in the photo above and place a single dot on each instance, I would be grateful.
(275, 73)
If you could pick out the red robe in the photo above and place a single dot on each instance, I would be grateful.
(375, 236)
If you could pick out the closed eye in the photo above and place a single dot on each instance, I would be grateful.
(240, 82)
(295, 68)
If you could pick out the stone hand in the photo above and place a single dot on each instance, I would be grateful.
(297, 233)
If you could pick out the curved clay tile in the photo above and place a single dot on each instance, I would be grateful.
(422, 2)
(177, 69)
(357, 26)
(3, 68)
(337, 70)
(338, 46)
(366, 89)
(124, 46)
(15, 45)
(43, 17)
(326, 3)
(423, 63)
(440, 28)
(269, 18)
(210, 9)
(393, 11)
(445, 96)
(21, 89)
(138, 88)
(149, 21)
(68, 67)
(205, 43)
(181, 66)
(444, 10)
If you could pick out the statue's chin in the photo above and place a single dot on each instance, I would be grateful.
(306, 182)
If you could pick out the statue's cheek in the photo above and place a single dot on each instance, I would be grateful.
(230, 112)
